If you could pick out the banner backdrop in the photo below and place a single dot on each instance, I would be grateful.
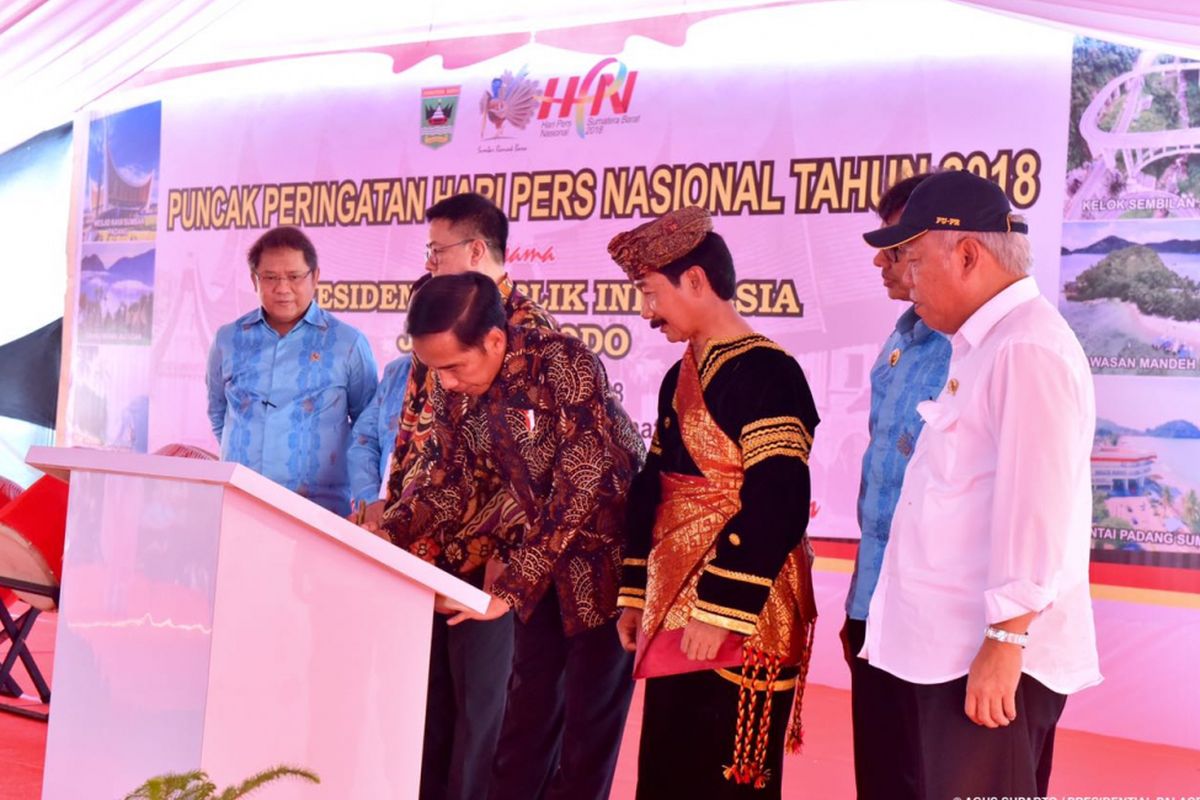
(1130, 268)
(786, 123)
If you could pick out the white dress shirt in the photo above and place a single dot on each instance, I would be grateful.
(995, 516)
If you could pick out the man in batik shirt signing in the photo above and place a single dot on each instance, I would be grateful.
(716, 586)
(468, 664)
(529, 414)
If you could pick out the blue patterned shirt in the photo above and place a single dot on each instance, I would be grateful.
(283, 405)
(911, 367)
(373, 439)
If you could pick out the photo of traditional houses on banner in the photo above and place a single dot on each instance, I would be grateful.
(113, 287)
(121, 202)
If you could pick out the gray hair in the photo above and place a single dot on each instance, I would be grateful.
(1012, 251)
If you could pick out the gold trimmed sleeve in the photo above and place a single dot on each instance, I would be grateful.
(744, 577)
(632, 592)
(774, 436)
(631, 598)
(731, 619)
(762, 402)
(732, 594)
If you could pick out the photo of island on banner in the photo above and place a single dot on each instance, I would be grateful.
(1131, 292)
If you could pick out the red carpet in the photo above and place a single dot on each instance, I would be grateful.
(23, 741)
(1086, 765)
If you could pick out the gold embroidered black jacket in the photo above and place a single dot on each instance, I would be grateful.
(759, 397)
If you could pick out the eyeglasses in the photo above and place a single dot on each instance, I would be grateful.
(892, 254)
(272, 281)
(433, 252)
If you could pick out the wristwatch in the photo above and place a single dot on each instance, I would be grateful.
(1008, 637)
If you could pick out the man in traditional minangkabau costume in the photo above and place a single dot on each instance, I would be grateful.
(716, 585)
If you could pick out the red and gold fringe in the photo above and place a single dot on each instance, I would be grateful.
(750, 745)
(795, 737)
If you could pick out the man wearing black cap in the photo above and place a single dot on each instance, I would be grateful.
(911, 367)
(716, 586)
(982, 611)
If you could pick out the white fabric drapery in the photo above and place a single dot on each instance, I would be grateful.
(1170, 22)
(57, 56)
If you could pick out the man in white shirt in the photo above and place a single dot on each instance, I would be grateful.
(982, 610)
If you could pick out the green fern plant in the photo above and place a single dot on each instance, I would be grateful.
(196, 785)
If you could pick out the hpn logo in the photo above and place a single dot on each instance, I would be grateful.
(585, 96)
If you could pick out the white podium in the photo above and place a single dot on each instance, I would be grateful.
(212, 619)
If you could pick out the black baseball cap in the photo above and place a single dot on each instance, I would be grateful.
(949, 201)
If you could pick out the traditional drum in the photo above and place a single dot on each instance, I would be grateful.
(32, 531)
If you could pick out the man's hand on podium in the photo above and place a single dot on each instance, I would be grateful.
(496, 609)
(366, 516)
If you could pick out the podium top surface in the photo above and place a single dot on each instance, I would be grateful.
(61, 461)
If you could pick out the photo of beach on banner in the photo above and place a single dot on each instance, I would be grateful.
(1131, 292)
(1146, 472)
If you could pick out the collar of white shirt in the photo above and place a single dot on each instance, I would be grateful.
(979, 324)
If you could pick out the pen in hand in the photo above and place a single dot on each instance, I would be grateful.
(361, 515)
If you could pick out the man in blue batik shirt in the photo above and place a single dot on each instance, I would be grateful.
(373, 439)
(911, 367)
(287, 380)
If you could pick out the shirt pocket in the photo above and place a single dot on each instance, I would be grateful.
(529, 426)
(940, 438)
(932, 384)
(533, 431)
(323, 403)
(243, 403)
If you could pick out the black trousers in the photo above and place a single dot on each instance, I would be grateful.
(689, 727)
(961, 759)
(567, 703)
(914, 742)
(887, 761)
(469, 665)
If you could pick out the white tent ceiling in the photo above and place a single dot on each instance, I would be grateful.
(57, 56)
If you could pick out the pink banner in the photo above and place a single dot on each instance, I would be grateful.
(787, 123)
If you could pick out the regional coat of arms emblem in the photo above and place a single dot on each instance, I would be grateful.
(439, 107)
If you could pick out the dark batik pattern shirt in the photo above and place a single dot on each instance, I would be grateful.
(501, 515)
(549, 435)
(416, 416)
